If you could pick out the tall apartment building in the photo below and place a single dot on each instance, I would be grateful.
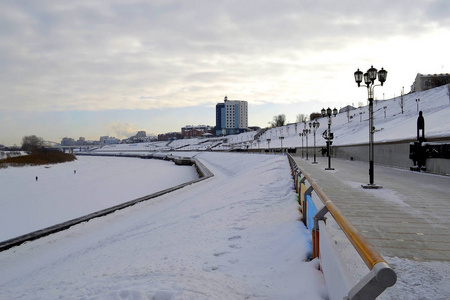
(231, 117)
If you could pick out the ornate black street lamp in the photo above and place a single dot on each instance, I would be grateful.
(327, 134)
(281, 147)
(369, 79)
(314, 126)
(301, 135)
(305, 133)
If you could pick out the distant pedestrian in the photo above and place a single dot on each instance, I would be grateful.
(36, 178)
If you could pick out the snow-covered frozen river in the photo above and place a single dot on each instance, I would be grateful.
(70, 190)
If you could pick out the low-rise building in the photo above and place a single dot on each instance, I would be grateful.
(81, 141)
(67, 141)
(108, 140)
(428, 81)
(191, 131)
(169, 136)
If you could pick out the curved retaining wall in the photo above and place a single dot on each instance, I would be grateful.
(203, 172)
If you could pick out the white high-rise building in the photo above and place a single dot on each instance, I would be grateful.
(231, 117)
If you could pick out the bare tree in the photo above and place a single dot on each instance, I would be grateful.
(32, 143)
(315, 115)
(301, 118)
(278, 120)
(436, 81)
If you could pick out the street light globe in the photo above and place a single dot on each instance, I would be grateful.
(329, 112)
(372, 74)
(335, 111)
(358, 78)
(367, 79)
(382, 74)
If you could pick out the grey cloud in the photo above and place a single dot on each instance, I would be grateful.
(105, 54)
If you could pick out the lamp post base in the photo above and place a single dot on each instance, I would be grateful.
(329, 168)
(371, 186)
(314, 162)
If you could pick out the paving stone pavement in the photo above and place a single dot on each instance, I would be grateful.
(407, 218)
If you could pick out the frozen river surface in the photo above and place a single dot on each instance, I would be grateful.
(66, 191)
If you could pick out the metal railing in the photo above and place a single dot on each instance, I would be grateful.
(381, 276)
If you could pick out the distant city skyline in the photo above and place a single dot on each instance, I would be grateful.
(81, 68)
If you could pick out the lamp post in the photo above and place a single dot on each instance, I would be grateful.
(327, 134)
(417, 101)
(305, 133)
(301, 135)
(268, 144)
(281, 139)
(369, 80)
(314, 125)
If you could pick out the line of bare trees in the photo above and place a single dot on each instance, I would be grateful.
(280, 120)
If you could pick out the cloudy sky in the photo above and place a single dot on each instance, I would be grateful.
(92, 68)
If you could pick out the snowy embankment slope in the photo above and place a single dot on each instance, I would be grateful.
(389, 121)
(70, 190)
(236, 235)
(391, 124)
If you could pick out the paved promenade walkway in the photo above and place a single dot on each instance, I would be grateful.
(408, 218)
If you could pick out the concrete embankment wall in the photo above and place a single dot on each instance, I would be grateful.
(394, 154)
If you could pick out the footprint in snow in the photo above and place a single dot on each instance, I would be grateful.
(210, 268)
(238, 228)
(235, 237)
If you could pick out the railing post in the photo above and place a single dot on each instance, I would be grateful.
(319, 216)
(298, 174)
(302, 199)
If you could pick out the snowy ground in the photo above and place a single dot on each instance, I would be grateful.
(233, 236)
(60, 194)
(236, 235)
